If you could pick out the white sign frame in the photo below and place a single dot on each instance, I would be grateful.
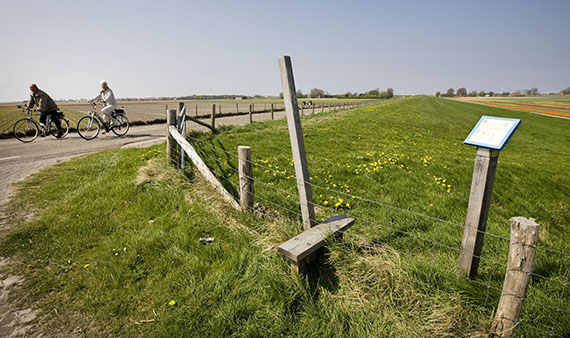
(490, 133)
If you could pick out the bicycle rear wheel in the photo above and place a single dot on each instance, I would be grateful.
(121, 126)
(64, 127)
(26, 130)
(88, 127)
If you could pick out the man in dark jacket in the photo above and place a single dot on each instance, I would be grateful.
(46, 105)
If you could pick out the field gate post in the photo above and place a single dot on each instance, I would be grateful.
(246, 192)
(170, 141)
(272, 113)
(297, 142)
(524, 237)
(181, 124)
(478, 210)
(251, 113)
(213, 123)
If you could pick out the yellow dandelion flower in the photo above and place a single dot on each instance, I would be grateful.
(347, 205)
(326, 202)
(172, 302)
(86, 266)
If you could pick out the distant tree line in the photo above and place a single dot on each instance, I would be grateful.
(462, 92)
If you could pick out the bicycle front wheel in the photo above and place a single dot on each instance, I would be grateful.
(64, 128)
(121, 125)
(26, 130)
(88, 127)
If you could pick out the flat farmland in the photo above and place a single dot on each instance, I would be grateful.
(548, 105)
(154, 111)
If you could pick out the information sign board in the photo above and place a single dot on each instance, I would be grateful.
(492, 132)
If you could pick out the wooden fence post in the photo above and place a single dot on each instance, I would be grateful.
(220, 109)
(251, 113)
(237, 108)
(246, 192)
(297, 143)
(196, 110)
(181, 124)
(213, 115)
(170, 141)
(322, 108)
(478, 210)
(272, 113)
(524, 237)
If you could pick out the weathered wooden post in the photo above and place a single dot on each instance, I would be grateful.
(272, 113)
(323, 108)
(181, 123)
(213, 123)
(245, 178)
(251, 113)
(524, 237)
(313, 108)
(490, 135)
(297, 143)
(237, 108)
(170, 141)
(253, 107)
(220, 109)
(302, 109)
(196, 110)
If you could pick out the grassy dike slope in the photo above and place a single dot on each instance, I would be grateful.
(107, 242)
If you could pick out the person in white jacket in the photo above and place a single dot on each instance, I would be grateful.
(108, 98)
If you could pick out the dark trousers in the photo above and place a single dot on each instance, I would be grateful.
(53, 115)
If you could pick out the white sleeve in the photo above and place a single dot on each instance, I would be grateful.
(96, 98)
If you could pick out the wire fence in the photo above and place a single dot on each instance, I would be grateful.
(429, 246)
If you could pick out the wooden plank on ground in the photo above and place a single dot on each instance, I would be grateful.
(307, 242)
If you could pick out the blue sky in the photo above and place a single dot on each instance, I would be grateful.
(174, 48)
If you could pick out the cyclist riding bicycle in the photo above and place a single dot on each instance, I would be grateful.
(46, 105)
(108, 98)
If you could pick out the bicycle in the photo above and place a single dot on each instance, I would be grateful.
(27, 129)
(89, 126)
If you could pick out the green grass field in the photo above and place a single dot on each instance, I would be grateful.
(116, 238)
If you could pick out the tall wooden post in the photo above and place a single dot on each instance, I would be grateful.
(524, 237)
(213, 116)
(272, 113)
(251, 113)
(245, 178)
(297, 143)
(170, 141)
(478, 210)
(237, 108)
(220, 109)
(196, 110)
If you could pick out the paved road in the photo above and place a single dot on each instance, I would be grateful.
(18, 160)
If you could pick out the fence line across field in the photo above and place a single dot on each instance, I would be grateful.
(492, 259)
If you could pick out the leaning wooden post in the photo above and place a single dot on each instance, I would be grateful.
(251, 113)
(297, 143)
(213, 123)
(170, 141)
(524, 237)
(245, 178)
(272, 113)
(478, 210)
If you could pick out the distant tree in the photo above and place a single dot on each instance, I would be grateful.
(373, 92)
(450, 92)
(300, 94)
(437, 94)
(389, 93)
(316, 93)
(472, 93)
(482, 93)
(505, 93)
(532, 92)
(281, 95)
(383, 95)
(461, 91)
(565, 91)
